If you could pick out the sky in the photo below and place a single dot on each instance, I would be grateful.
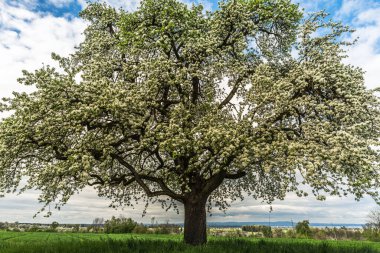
(31, 29)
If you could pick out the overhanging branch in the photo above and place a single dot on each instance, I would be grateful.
(236, 175)
(140, 180)
(235, 88)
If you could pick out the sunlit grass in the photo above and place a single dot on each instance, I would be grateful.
(24, 242)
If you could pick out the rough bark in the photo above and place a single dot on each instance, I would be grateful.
(195, 222)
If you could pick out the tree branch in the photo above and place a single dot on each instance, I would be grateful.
(236, 175)
(232, 93)
(140, 180)
(196, 89)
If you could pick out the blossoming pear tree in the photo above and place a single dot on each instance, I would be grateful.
(194, 108)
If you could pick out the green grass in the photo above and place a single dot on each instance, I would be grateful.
(24, 242)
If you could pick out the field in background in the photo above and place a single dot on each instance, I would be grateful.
(41, 242)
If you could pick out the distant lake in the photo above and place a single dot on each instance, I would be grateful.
(281, 224)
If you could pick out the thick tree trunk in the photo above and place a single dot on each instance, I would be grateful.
(195, 222)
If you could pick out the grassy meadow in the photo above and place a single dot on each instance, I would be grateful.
(42, 242)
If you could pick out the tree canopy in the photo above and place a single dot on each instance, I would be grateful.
(171, 100)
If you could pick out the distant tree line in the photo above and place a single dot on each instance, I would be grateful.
(372, 227)
(123, 224)
(265, 230)
(303, 230)
(118, 225)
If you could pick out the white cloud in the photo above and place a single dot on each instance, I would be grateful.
(350, 8)
(366, 53)
(364, 17)
(30, 4)
(333, 210)
(130, 5)
(82, 208)
(27, 40)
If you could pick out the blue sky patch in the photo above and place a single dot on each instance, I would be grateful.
(67, 9)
